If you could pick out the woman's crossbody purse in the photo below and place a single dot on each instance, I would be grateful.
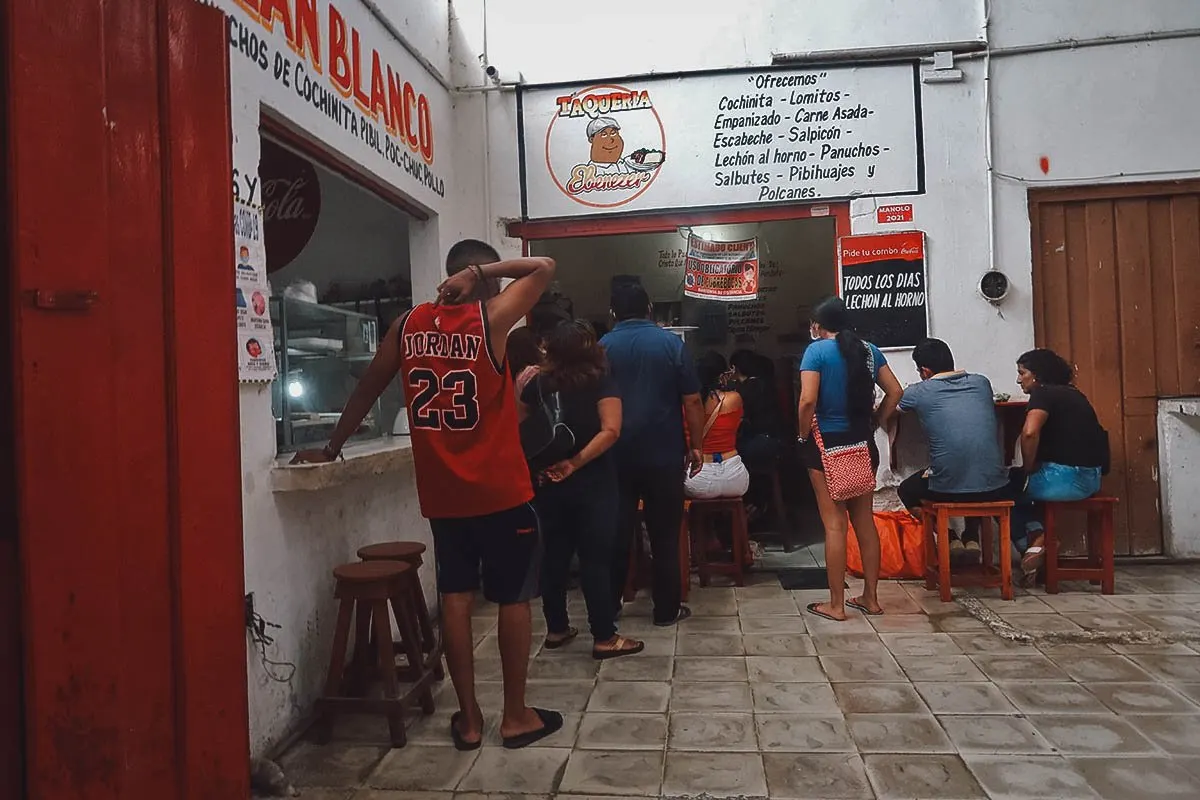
(848, 469)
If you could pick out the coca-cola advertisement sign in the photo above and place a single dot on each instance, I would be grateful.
(291, 196)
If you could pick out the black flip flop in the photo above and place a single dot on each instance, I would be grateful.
(857, 606)
(554, 644)
(684, 613)
(815, 609)
(459, 742)
(552, 722)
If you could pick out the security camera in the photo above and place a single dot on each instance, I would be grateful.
(502, 78)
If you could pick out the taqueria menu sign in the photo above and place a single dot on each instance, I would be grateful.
(720, 139)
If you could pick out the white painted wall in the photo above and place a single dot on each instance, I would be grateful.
(424, 26)
(1179, 461)
(567, 40)
(1023, 22)
(293, 540)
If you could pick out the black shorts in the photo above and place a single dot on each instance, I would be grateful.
(810, 454)
(504, 548)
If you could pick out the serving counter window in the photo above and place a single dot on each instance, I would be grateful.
(322, 352)
(796, 267)
(338, 266)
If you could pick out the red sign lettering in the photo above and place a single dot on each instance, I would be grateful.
(900, 213)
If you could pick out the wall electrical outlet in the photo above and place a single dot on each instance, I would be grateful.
(250, 610)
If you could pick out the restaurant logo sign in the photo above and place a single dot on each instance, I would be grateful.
(588, 144)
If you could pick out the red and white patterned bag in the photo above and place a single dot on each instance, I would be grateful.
(848, 468)
(849, 472)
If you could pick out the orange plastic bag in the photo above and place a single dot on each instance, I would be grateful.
(901, 549)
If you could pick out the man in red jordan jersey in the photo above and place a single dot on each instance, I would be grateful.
(472, 478)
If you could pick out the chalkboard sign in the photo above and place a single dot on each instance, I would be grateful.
(882, 279)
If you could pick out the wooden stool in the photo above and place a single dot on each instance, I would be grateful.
(410, 553)
(367, 589)
(778, 508)
(703, 513)
(936, 517)
(633, 575)
(1097, 567)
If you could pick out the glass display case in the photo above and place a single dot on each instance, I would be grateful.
(322, 352)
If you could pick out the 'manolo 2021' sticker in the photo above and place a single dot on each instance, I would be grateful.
(605, 145)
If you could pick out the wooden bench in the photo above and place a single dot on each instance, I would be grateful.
(1097, 566)
(936, 519)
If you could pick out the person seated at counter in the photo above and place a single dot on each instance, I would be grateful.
(761, 437)
(1064, 449)
(722, 474)
(957, 411)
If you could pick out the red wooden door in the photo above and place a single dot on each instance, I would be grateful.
(1116, 280)
(124, 401)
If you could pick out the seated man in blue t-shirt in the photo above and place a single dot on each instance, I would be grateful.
(957, 410)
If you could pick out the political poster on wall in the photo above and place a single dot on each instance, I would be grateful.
(882, 279)
(726, 271)
(732, 138)
(256, 347)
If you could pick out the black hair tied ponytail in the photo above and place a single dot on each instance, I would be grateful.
(831, 314)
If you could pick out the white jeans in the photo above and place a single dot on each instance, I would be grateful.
(727, 479)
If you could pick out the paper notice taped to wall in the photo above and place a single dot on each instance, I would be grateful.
(725, 271)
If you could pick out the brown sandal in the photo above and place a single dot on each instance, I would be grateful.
(620, 646)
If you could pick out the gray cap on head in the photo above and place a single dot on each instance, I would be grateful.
(599, 124)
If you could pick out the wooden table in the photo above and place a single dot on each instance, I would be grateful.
(1010, 418)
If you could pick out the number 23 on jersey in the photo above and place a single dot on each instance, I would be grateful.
(448, 401)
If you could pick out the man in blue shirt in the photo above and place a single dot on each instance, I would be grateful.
(957, 411)
(657, 379)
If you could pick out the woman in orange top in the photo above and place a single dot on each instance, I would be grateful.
(723, 474)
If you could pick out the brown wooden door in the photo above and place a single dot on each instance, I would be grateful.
(1116, 282)
(127, 529)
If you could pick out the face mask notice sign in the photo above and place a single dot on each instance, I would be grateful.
(726, 271)
(882, 279)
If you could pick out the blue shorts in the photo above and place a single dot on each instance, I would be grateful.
(1061, 483)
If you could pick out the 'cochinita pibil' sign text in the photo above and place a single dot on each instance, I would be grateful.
(331, 68)
(726, 139)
